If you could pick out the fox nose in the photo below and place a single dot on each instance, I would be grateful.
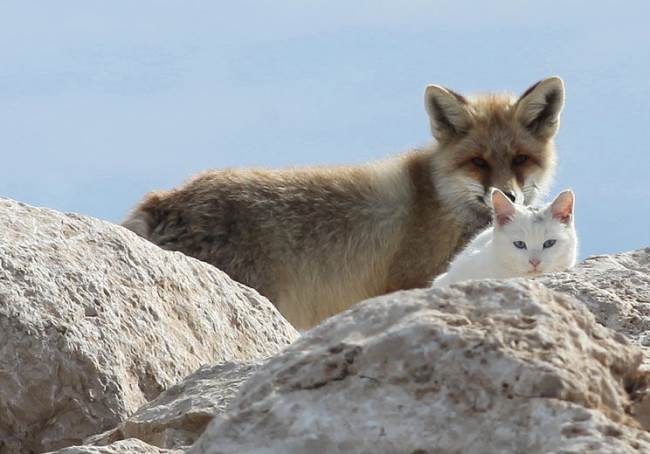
(534, 262)
(511, 195)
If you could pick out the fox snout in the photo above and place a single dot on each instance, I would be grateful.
(513, 194)
(511, 191)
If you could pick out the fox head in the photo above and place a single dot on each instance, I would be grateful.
(494, 141)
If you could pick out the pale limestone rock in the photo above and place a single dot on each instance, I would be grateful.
(179, 415)
(130, 446)
(95, 322)
(616, 288)
(484, 367)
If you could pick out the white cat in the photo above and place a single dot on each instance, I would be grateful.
(523, 241)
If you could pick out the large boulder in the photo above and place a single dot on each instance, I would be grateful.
(95, 322)
(483, 367)
(179, 415)
(616, 288)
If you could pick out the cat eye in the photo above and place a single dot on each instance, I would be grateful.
(519, 159)
(480, 163)
(549, 243)
(519, 244)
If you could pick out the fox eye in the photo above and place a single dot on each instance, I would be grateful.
(519, 244)
(519, 159)
(480, 163)
(549, 243)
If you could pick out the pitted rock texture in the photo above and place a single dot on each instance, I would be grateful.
(616, 288)
(130, 446)
(179, 415)
(95, 322)
(483, 367)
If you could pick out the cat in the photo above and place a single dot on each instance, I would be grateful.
(523, 241)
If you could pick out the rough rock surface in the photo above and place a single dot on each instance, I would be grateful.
(179, 415)
(485, 367)
(95, 322)
(130, 446)
(616, 288)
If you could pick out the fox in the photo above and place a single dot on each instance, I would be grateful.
(316, 240)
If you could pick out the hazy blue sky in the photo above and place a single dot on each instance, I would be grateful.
(103, 101)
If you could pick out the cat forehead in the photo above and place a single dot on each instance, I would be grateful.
(535, 215)
(526, 227)
(532, 222)
(536, 211)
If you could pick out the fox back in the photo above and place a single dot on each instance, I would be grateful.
(317, 240)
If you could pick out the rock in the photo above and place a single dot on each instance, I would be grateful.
(616, 288)
(130, 446)
(483, 367)
(95, 322)
(179, 415)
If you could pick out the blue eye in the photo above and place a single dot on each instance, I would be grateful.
(549, 243)
(520, 244)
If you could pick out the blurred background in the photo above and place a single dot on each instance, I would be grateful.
(101, 102)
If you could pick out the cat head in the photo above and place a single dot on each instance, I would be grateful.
(532, 240)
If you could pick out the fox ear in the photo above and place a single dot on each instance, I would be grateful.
(503, 208)
(447, 112)
(538, 109)
(562, 207)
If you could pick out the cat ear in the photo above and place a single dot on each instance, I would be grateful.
(538, 109)
(447, 112)
(562, 207)
(503, 208)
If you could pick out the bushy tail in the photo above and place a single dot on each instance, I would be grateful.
(147, 215)
(140, 222)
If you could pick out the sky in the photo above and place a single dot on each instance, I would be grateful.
(101, 102)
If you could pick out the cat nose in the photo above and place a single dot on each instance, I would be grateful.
(534, 262)
(510, 195)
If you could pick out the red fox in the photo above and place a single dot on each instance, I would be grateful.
(317, 240)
